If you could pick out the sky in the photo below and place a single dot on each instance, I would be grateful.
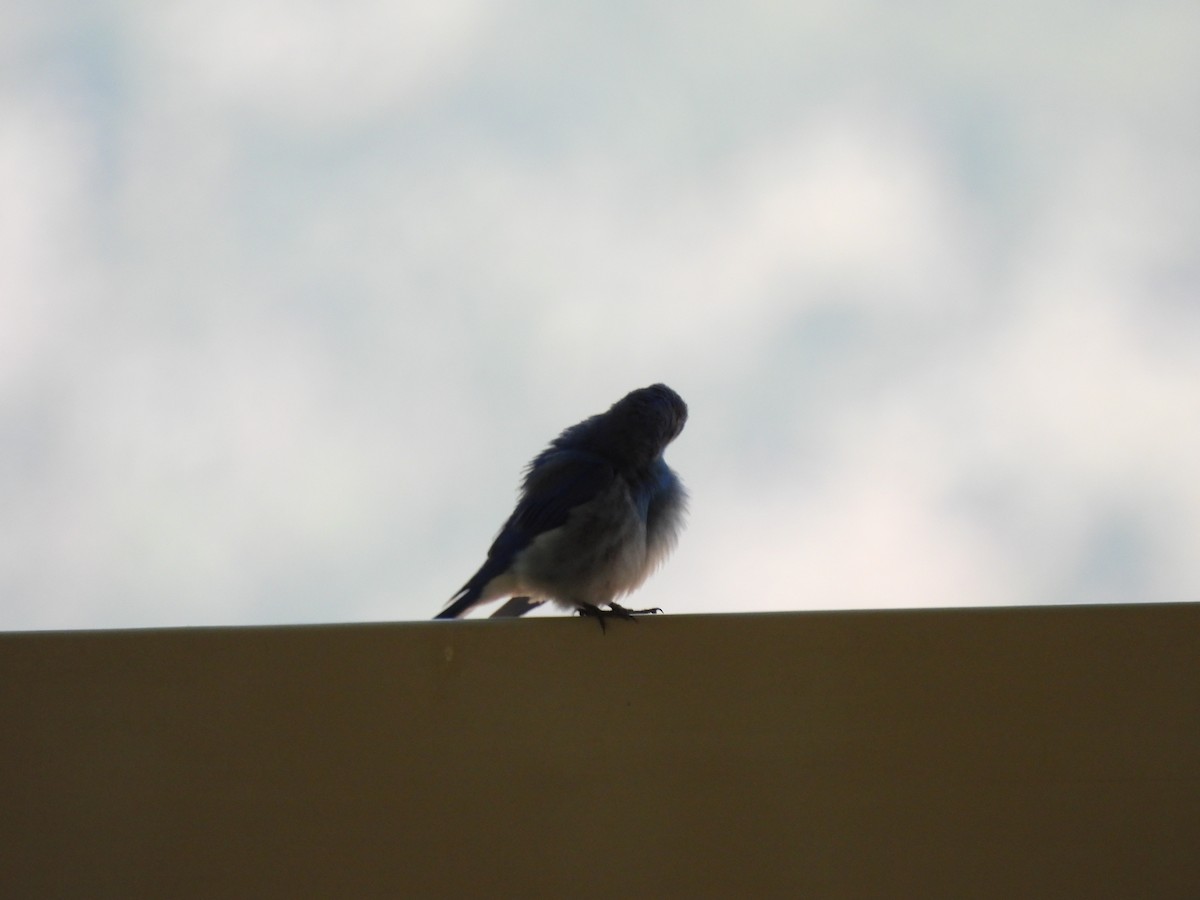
(290, 292)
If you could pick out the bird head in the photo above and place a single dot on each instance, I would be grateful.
(646, 420)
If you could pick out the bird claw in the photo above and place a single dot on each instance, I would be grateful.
(614, 611)
(624, 613)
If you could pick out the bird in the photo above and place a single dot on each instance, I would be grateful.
(599, 510)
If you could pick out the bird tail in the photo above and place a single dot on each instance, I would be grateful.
(473, 591)
(516, 606)
(467, 597)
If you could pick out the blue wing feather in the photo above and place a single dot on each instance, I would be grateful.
(557, 481)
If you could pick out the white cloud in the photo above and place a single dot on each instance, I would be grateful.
(310, 64)
(46, 256)
(294, 338)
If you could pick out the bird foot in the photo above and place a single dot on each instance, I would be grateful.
(618, 610)
(614, 611)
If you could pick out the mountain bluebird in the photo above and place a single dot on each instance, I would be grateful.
(599, 511)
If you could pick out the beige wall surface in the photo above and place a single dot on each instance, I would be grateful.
(1041, 752)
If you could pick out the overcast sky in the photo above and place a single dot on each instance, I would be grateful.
(291, 291)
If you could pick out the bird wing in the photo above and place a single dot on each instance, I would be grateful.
(555, 484)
